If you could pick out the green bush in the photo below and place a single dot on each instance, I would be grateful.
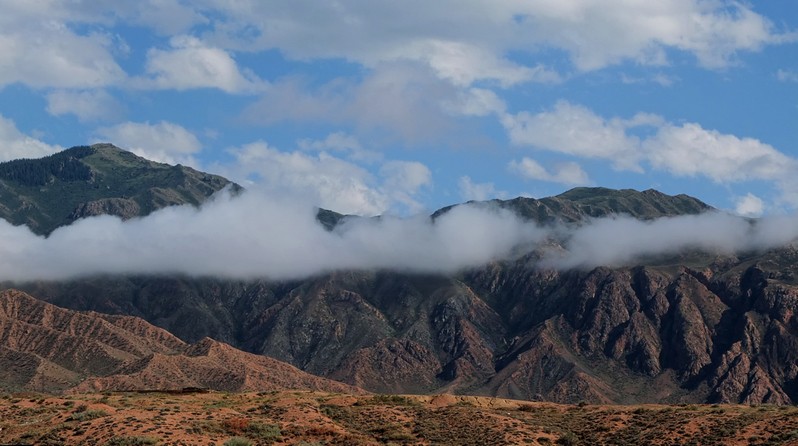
(238, 441)
(263, 431)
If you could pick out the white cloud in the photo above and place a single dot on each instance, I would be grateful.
(622, 240)
(49, 54)
(272, 237)
(402, 180)
(189, 64)
(469, 190)
(324, 180)
(399, 100)
(260, 236)
(749, 206)
(164, 142)
(467, 42)
(14, 144)
(476, 102)
(597, 34)
(683, 150)
(569, 173)
(167, 17)
(340, 142)
(87, 105)
(576, 130)
(330, 182)
(45, 45)
(690, 150)
(463, 64)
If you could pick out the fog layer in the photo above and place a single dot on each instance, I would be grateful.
(254, 236)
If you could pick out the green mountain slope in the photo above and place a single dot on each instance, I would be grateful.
(92, 180)
(586, 202)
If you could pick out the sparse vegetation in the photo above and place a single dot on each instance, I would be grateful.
(86, 415)
(316, 419)
(131, 441)
(390, 400)
(238, 441)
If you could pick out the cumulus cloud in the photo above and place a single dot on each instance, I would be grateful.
(749, 205)
(683, 150)
(470, 190)
(597, 34)
(51, 55)
(402, 100)
(463, 64)
(476, 102)
(340, 142)
(163, 142)
(466, 42)
(190, 63)
(329, 181)
(576, 130)
(402, 180)
(690, 150)
(47, 45)
(569, 173)
(87, 105)
(166, 17)
(14, 144)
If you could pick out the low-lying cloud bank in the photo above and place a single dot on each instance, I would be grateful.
(253, 236)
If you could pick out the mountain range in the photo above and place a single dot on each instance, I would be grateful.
(690, 327)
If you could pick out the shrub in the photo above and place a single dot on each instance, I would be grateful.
(238, 441)
(87, 415)
(131, 441)
(568, 439)
(263, 431)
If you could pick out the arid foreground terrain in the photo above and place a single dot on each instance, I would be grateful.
(315, 418)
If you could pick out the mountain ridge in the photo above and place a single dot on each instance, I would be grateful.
(45, 348)
(580, 203)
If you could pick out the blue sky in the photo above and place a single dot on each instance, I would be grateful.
(377, 107)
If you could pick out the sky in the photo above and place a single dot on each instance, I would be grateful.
(384, 107)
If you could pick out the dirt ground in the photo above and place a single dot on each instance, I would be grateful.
(313, 418)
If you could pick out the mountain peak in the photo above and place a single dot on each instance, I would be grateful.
(83, 181)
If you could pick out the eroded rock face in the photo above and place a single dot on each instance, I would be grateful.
(721, 333)
(119, 207)
(45, 348)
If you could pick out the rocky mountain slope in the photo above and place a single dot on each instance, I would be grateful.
(672, 333)
(49, 349)
(92, 180)
(688, 328)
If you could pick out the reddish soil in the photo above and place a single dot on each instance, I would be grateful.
(316, 418)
